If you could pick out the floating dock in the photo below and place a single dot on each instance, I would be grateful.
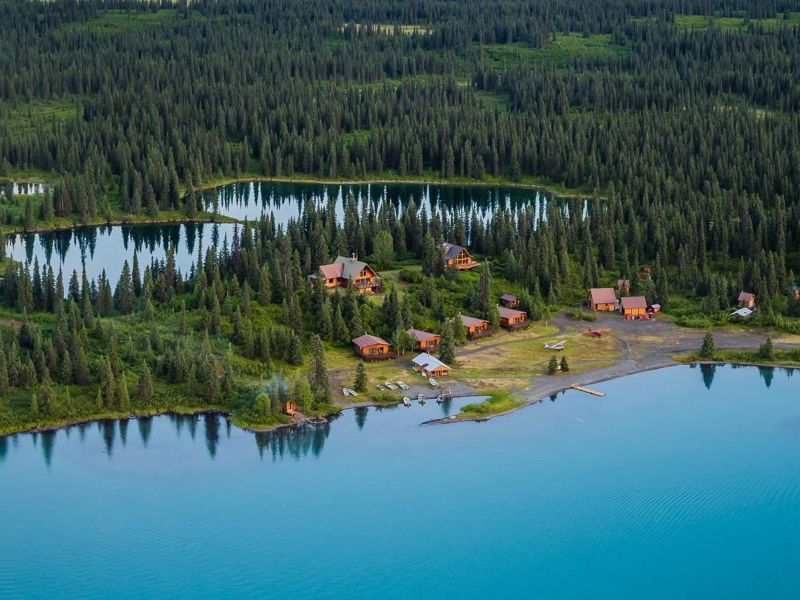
(580, 388)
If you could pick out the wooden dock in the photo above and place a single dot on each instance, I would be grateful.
(580, 388)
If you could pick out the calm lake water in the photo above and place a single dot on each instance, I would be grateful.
(106, 247)
(248, 200)
(680, 483)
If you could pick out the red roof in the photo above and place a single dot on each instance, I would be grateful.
(331, 271)
(603, 296)
(472, 321)
(633, 302)
(508, 298)
(368, 340)
(421, 336)
(509, 313)
(746, 296)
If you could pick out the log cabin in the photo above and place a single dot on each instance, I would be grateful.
(633, 307)
(746, 299)
(602, 299)
(457, 257)
(430, 366)
(425, 340)
(344, 270)
(476, 328)
(511, 319)
(371, 347)
(509, 301)
(290, 407)
(624, 286)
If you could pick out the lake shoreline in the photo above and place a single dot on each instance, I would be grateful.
(600, 376)
(384, 181)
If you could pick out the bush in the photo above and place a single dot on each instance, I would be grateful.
(410, 276)
(581, 315)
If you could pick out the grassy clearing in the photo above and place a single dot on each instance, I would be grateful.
(27, 117)
(494, 100)
(509, 361)
(116, 20)
(560, 52)
(698, 22)
(496, 403)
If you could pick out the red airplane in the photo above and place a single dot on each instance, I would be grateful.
(594, 332)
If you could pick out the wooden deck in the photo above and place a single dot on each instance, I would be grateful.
(581, 388)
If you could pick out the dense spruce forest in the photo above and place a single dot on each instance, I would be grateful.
(678, 119)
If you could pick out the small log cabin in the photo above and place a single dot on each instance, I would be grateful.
(602, 299)
(509, 301)
(430, 366)
(475, 327)
(425, 340)
(458, 257)
(746, 299)
(633, 307)
(371, 347)
(344, 270)
(624, 286)
(290, 407)
(511, 319)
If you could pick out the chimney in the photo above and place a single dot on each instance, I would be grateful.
(353, 257)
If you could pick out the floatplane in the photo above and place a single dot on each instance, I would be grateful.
(555, 345)
(595, 332)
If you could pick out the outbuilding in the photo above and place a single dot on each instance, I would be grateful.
(602, 299)
(509, 301)
(634, 307)
(430, 366)
(746, 299)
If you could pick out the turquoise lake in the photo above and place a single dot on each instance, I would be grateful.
(680, 483)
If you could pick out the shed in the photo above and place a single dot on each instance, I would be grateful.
(602, 299)
(509, 301)
(633, 307)
(290, 407)
(430, 366)
(746, 299)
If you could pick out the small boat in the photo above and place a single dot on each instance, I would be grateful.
(440, 398)
(433, 382)
(353, 393)
(380, 387)
(390, 385)
(402, 385)
(420, 398)
(345, 392)
(406, 401)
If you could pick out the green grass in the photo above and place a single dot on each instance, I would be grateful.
(496, 403)
(494, 100)
(704, 22)
(27, 117)
(116, 20)
(560, 52)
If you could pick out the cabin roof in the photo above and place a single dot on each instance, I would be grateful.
(428, 362)
(471, 321)
(351, 267)
(451, 250)
(332, 271)
(746, 296)
(508, 298)
(509, 313)
(603, 296)
(633, 302)
(366, 340)
(420, 335)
